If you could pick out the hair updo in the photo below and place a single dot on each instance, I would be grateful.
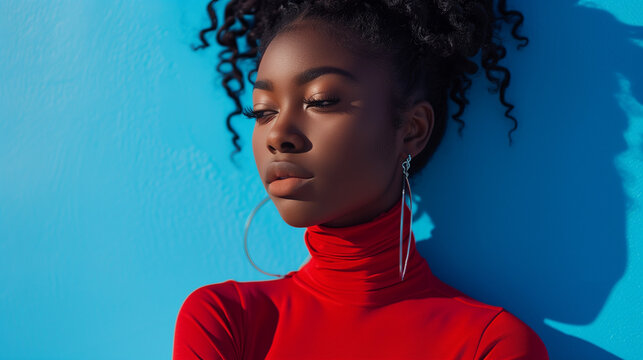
(430, 44)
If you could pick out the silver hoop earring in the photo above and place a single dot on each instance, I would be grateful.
(405, 169)
(245, 237)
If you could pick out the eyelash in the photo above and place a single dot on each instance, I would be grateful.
(252, 114)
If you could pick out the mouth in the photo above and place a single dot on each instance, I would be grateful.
(287, 186)
(279, 178)
(283, 170)
(285, 178)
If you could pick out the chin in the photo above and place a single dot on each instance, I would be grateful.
(298, 213)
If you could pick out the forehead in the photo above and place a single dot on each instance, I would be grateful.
(312, 43)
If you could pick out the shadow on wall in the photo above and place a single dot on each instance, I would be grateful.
(539, 227)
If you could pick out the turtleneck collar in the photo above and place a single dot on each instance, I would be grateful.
(359, 264)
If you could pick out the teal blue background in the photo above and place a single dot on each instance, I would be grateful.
(117, 196)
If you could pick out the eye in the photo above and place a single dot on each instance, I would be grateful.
(252, 114)
(325, 102)
(260, 114)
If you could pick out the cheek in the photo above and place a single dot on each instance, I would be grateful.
(258, 144)
(255, 140)
(357, 154)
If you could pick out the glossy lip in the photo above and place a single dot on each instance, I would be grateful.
(285, 178)
(278, 170)
(287, 187)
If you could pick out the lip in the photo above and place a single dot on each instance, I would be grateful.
(277, 170)
(286, 178)
(287, 186)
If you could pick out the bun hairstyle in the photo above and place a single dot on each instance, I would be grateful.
(431, 44)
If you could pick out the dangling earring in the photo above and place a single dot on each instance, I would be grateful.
(245, 237)
(405, 169)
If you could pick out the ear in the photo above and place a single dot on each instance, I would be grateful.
(418, 125)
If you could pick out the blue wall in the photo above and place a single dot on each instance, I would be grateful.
(117, 197)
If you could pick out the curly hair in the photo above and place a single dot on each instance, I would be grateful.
(431, 43)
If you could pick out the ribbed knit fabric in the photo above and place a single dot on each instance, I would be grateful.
(347, 302)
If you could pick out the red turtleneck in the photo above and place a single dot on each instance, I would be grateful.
(347, 302)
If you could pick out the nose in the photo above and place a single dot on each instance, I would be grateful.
(285, 134)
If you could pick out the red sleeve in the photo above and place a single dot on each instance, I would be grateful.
(508, 338)
(209, 324)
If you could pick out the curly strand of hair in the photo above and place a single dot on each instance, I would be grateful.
(490, 57)
(204, 44)
(228, 39)
(502, 9)
(504, 83)
(459, 87)
(493, 53)
(230, 54)
(213, 26)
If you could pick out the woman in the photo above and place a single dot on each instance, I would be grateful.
(349, 101)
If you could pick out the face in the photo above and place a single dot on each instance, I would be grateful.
(324, 125)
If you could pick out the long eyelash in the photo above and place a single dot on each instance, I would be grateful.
(318, 102)
(251, 114)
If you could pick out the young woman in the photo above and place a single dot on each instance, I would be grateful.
(350, 100)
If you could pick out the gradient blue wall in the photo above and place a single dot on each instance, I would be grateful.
(117, 197)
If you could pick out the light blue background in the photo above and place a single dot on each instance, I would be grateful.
(117, 196)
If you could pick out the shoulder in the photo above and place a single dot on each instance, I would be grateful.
(231, 293)
(210, 323)
(231, 299)
(214, 303)
(500, 334)
(506, 336)
(225, 293)
(469, 309)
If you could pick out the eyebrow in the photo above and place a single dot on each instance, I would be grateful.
(307, 76)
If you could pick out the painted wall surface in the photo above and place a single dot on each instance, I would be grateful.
(118, 198)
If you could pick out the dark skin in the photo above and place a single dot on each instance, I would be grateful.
(349, 145)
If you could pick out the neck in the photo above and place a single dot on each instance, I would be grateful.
(359, 264)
